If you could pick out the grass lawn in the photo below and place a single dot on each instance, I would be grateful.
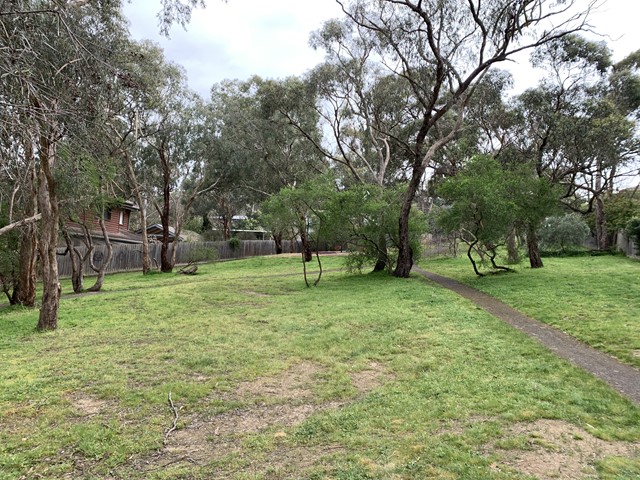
(595, 299)
(363, 377)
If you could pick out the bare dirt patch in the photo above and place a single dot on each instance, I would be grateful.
(372, 377)
(255, 294)
(281, 401)
(296, 383)
(553, 449)
(88, 406)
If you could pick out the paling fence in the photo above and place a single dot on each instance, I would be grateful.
(627, 246)
(129, 257)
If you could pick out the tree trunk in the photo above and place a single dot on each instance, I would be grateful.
(307, 253)
(176, 240)
(48, 206)
(25, 291)
(146, 259)
(602, 238)
(102, 271)
(277, 238)
(513, 255)
(405, 252)
(535, 260)
(165, 261)
(382, 262)
(226, 227)
(77, 267)
(142, 204)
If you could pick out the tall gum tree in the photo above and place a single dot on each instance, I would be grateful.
(442, 49)
(363, 110)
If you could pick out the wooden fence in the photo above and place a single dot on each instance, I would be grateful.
(626, 245)
(129, 257)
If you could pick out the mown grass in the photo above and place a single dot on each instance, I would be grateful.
(594, 298)
(457, 377)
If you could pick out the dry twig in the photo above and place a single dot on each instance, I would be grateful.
(173, 427)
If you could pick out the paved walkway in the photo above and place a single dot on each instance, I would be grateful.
(623, 378)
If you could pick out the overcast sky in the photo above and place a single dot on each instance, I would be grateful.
(270, 37)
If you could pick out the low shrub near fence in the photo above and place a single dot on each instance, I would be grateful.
(129, 257)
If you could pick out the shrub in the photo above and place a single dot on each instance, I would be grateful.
(568, 230)
(234, 243)
(632, 230)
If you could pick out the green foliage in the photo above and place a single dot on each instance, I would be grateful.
(569, 230)
(204, 254)
(234, 243)
(480, 203)
(364, 220)
(620, 208)
(632, 230)
(9, 264)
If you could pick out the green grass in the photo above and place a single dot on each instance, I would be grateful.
(456, 379)
(595, 299)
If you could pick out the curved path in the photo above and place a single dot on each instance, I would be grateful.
(623, 378)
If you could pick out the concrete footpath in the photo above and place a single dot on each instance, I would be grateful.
(623, 378)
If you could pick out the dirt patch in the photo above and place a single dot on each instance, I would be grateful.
(372, 377)
(255, 294)
(88, 406)
(553, 449)
(281, 401)
(294, 384)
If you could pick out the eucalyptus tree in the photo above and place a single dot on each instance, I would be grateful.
(573, 130)
(171, 125)
(442, 49)
(259, 151)
(364, 110)
(54, 79)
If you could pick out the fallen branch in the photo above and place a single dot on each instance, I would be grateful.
(173, 427)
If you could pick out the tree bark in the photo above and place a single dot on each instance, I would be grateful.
(382, 262)
(165, 260)
(105, 261)
(513, 255)
(277, 238)
(602, 237)
(48, 206)
(137, 193)
(307, 253)
(25, 291)
(77, 267)
(535, 260)
(405, 252)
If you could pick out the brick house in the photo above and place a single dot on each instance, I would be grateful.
(116, 221)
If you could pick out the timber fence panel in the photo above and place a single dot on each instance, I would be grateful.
(627, 246)
(129, 257)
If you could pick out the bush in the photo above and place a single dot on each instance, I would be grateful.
(202, 254)
(234, 243)
(558, 233)
(632, 230)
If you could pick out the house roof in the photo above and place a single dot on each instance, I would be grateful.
(122, 237)
(155, 231)
(129, 205)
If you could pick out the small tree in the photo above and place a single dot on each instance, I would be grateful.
(481, 207)
(633, 231)
(564, 231)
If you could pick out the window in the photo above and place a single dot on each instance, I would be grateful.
(121, 219)
(107, 214)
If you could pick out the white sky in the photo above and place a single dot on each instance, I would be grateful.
(270, 37)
